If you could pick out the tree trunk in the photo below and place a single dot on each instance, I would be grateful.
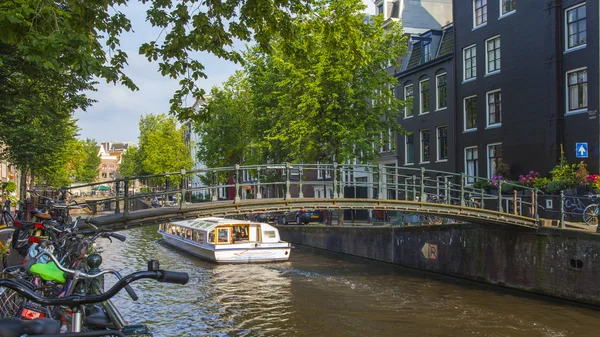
(23, 185)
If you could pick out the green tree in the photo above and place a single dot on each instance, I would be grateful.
(162, 147)
(89, 168)
(130, 165)
(313, 91)
(82, 37)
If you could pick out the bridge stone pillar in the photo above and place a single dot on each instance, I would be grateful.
(300, 176)
(258, 189)
(215, 195)
(380, 181)
(288, 195)
(237, 183)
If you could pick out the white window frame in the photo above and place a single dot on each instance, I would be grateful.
(427, 52)
(487, 109)
(502, 13)
(465, 114)
(487, 64)
(320, 172)
(421, 100)
(413, 100)
(437, 92)
(567, 100)
(438, 147)
(421, 148)
(566, 25)
(475, 25)
(464, 61)
(489, 163)
(406, 150)
(476, 167)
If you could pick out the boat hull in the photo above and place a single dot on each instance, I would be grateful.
(232, 253)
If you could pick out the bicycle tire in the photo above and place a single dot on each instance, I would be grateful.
(7, 220)
(590, 215)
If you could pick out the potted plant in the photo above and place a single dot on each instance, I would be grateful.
(564, 176)
(593, 182)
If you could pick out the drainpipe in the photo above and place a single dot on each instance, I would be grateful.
(559, 82)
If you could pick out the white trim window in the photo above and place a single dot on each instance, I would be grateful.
(469, 63)
(320, 170)
(409, 150)
(441, 81)
(479, 13)
(575, 27)
(494, 157)
(425, 148)
(507, 7)
(470, 113)
(492, 55)
(424, 95)
(408, 96)
(577, 90)
(471, 164)
(442, 143)
(427, 52)
(494, 108)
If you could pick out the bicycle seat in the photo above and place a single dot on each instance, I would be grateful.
(98, 319)
(16, 327)
(48, 271)
(42, 216)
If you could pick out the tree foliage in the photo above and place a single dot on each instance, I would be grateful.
(322, 96)
(130, 165)
(82, 37)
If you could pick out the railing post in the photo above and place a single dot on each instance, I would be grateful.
(414, 187)
(534, 198)
(482, 195)
(336, 192)
(215, 194)
(258, 189)
(126, 197)
(117, 185)
(300, 176)
(562, 210)
(515, 202)
(380, 182)
(446, 191)
(236, 183)
(500, 208)
(287, 181)
(462, 189)
(182, 199)
(423, 197)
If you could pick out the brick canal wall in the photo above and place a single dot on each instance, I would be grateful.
(560, 263)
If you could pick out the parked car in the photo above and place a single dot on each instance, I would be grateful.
(268, 217)
(303, 216)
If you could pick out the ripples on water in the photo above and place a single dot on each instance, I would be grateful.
(320, 294)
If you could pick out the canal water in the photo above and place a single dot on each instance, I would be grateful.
(317, 293)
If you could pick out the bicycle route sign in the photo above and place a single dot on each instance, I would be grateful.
(581, 150)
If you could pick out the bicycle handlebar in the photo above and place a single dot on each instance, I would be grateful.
(159, 275)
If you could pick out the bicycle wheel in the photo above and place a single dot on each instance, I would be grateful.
(8, 256)
(7, 220)
(590, 215)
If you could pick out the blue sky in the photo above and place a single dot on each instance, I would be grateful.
(116, 115)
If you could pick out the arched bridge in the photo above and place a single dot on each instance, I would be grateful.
(239, 190)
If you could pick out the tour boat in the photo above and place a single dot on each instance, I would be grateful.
(226, 240)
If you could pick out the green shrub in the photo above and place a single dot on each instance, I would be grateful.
(554, 187)
(482, 184)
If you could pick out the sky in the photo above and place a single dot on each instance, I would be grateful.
(115, 115)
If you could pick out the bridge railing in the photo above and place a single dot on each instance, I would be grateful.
(291, 181)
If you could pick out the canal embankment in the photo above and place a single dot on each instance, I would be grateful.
(561, 263)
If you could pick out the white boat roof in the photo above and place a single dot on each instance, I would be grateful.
(208, 224)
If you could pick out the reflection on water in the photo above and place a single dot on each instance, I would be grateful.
(320, 294)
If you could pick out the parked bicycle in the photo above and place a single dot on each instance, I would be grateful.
(590, 213)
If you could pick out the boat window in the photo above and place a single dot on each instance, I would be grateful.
(269, 234)
(240, 233)
(200, 236)
(223, 235)
(211, 236)
(188, 234)
(161, 227)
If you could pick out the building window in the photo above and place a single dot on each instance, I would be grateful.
(427, 52)
(507, 6)
(480, 12)
(470, 109)
(576, 26)
(492, 55)
(442, 91)
(424, 146)
(469, 63)
(442, 143)
(577, 95)
(408, 153)
(408, 97)
(494, 107)
(424, 88)
(494, 158)
(471, 164)
(380, 9)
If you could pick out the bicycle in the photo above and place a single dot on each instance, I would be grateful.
(15, 327)
(590, 213)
